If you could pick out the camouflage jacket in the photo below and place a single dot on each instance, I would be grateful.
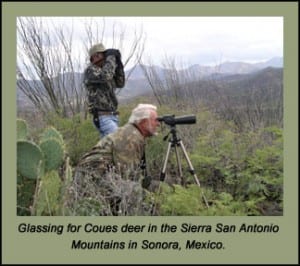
(100, 86)
(107, 179)
(120, 152)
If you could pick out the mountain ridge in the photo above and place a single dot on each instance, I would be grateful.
(137, 83)
(227, 67)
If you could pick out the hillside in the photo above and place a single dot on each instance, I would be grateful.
(237, 74)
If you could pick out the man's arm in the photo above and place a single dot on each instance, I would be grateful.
(95, 74)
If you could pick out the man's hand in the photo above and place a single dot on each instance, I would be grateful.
(114, 52)
(146, 181)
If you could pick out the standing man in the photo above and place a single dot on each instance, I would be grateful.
(101, 78)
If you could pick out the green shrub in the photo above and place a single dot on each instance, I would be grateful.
(25, 194)
(79, 135)
(248, 165)
(47, 198)
(178, 200)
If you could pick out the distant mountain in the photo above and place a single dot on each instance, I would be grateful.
(274, 62)
(137, 72)
(236, 68)
(243, 68)
(265, 86)
(134, 87)
(269, 77)
(137, 83)
(224, 68)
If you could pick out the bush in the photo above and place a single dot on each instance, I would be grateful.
(248, 165)
(79, 134)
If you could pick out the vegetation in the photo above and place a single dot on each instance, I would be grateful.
(43, 172)
(240, 171)
(235, 147)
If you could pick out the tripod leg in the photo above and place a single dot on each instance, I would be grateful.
(192, 170)
(163, 171)
(179, 165)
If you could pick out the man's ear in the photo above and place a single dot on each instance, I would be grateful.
(144, 122)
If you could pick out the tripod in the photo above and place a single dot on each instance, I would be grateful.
(175, 142)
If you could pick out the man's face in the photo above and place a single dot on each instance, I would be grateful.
(152, 124)
(97, 58)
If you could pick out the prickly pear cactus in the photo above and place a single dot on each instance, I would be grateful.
(29, 159)
(21, 129)
(40, 171)
(53, 152)
(50, 133)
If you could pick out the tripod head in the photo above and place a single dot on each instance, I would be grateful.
(173, 139)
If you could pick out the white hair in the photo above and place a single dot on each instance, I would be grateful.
(141, 112)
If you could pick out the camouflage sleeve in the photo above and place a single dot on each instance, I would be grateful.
(95, 74)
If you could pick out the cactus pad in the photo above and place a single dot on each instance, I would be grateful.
(29, 159)
(50, 133)
(53, 153)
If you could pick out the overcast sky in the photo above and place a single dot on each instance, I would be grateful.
(202, 40)
(209, 40)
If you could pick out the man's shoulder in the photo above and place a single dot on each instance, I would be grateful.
(131, 130)
(128, 132)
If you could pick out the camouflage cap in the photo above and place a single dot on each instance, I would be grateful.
(99, 47)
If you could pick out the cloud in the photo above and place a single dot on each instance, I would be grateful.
(197, 40)
(244, 38)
